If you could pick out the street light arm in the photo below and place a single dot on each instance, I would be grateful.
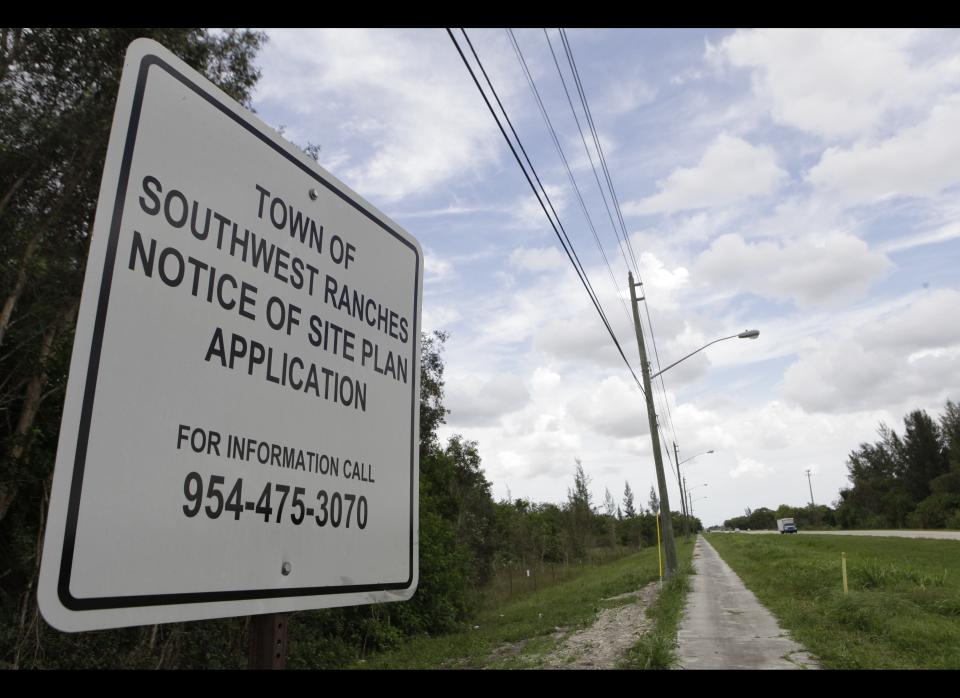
(749, 334)
(691, 354)
(687, 460)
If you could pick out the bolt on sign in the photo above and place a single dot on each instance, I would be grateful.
(240, 433)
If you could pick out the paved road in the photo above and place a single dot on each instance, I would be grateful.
(725, 627)
(942, 535)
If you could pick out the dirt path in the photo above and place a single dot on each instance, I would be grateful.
(605, 642)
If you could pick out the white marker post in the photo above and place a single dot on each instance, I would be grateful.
(240, 431)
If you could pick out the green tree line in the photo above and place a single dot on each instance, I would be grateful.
(57, 93)
(909, 481)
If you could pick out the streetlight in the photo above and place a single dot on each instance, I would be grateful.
(692, 457)
(691, 489)
(746, 334)
(695, 500)
(683, 498)
(669, 545)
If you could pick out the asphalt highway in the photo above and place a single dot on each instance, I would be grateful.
(941, 535)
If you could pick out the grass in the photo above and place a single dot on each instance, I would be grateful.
(903, 606)
(513, 582)
(656, 650)
(519, 632)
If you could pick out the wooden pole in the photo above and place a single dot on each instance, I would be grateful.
(669, 546)
(268, 641)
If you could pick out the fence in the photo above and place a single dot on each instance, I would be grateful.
(515, 578)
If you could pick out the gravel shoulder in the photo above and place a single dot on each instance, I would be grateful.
(606, 641)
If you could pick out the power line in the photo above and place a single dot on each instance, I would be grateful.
(561, 233)
(581, 275)
(579, 264)
(573, 181)
(664, 402)
(613, 195)
(596, 140)
(586, 149)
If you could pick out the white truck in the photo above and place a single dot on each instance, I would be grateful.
(786, 526)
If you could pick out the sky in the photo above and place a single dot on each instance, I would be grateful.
(804, 183)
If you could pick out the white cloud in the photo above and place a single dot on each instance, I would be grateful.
(918, 161)
(538, 259)
(476, 400)
(685, 76)
(581, 158)
(527, 213)
(398, 98)
(582, 338)
(730, 171)
(439, 317)
(625, 96)
(700, 226)
(839, 83)
(679, 346)
(907, 358)
(451, 210)
(830, 269)
(657, 278)
(930, 237)
(750, 467)
(436, 268)
(614, 408)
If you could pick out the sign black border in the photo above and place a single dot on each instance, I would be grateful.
(69, 541)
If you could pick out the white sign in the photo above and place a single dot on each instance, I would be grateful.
(241, 426)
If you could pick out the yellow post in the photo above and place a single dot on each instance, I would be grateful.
(843, 563)
(659, 548)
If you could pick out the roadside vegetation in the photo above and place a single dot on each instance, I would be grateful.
(522, 632)
(657, 648)
(909, 481)
(903, 606)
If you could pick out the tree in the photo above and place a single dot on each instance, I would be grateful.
(878, 497)
(628, 509)
(432, 411)
(950, 432)
(923, 456)
(456, 506)
(609, 506)
(610, 510)
(579, 510)
(654, 501)
(58, 89)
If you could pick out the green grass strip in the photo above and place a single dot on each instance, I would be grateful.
(903, 606)
(521, 631)
(657, 648)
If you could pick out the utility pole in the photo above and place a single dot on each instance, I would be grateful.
(683, 500)
(669, 545)
(811, 487)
